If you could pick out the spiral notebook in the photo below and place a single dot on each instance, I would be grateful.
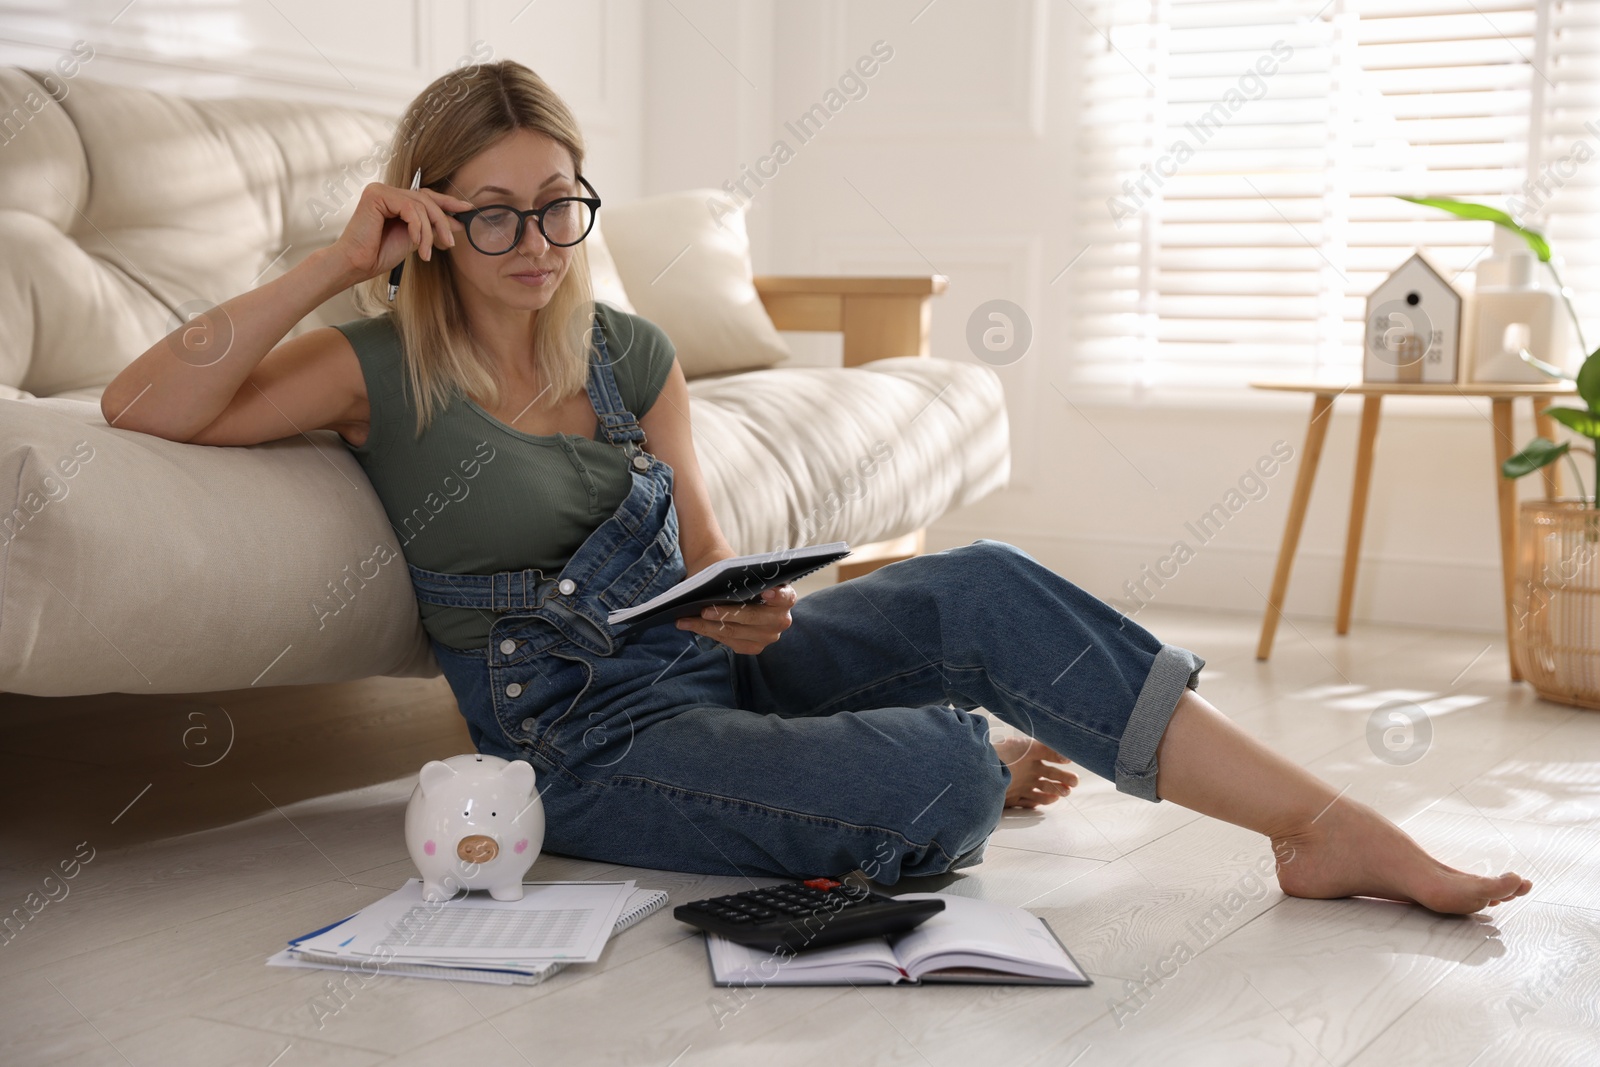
(641, 903)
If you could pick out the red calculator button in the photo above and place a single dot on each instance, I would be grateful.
(822, 883)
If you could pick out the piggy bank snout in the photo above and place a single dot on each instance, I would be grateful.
(477, 848)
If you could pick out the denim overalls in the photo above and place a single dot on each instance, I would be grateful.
(846, 744)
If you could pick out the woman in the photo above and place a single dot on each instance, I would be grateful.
(500, 415)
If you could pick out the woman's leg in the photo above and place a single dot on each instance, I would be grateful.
(890, 791)
(980, 625)
(987, 625)
(1327, 845)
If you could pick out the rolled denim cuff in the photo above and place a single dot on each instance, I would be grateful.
(972, 857)
(1174, 670)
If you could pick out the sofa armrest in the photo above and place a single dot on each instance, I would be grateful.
(880, 317)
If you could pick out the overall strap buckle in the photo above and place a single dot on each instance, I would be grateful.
(618, 423)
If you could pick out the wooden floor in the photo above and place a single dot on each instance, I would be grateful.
(221, 825)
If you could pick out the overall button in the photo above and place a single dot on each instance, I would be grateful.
(514, 690)
(567, 586)
(527, 726)
(642, 462)
(508, 646)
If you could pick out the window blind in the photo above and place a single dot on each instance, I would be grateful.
(1562, 188)
(1239, 159)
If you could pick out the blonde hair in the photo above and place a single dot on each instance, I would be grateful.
(456, 117)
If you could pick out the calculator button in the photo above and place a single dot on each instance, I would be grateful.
(821, 883)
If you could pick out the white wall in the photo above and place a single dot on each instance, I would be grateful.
(372, 54)
(958, 160)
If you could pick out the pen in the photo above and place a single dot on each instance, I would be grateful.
(394, 275)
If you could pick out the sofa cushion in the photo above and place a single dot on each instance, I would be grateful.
(102, 261)
(604, 280)
(687, 270)
(129, 563)
(806, 455)
(43, 154)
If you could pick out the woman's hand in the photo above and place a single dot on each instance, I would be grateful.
(389, 222)
(746, 628)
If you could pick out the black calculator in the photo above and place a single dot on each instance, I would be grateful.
(807, 914)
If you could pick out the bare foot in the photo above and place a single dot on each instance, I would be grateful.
(1034, 782)
(1351, 850)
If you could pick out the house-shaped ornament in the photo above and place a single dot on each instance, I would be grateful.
(1414, 323)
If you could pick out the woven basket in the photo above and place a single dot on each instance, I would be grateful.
(1555, 637)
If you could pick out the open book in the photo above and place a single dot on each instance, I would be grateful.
(970, 941)
(729, 580)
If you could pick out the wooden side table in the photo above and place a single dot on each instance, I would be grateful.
(1372, 394)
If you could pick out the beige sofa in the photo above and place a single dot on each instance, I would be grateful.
(129, 563)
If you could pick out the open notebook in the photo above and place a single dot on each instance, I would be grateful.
(730, 580)
(970, 941)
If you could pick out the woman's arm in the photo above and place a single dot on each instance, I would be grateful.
(669, 436)
(746, 628)
(185, 382)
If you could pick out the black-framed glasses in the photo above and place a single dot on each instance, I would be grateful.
(496, 229)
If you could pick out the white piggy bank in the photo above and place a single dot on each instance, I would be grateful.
(474, 822)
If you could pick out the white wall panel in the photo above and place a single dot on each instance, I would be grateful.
(371, 55)
(968, 70)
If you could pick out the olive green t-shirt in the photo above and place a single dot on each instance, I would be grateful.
(472, 495)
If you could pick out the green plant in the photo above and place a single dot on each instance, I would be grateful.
(1542, 451)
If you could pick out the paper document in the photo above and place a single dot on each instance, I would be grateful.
(641, 904)
(553, 921)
